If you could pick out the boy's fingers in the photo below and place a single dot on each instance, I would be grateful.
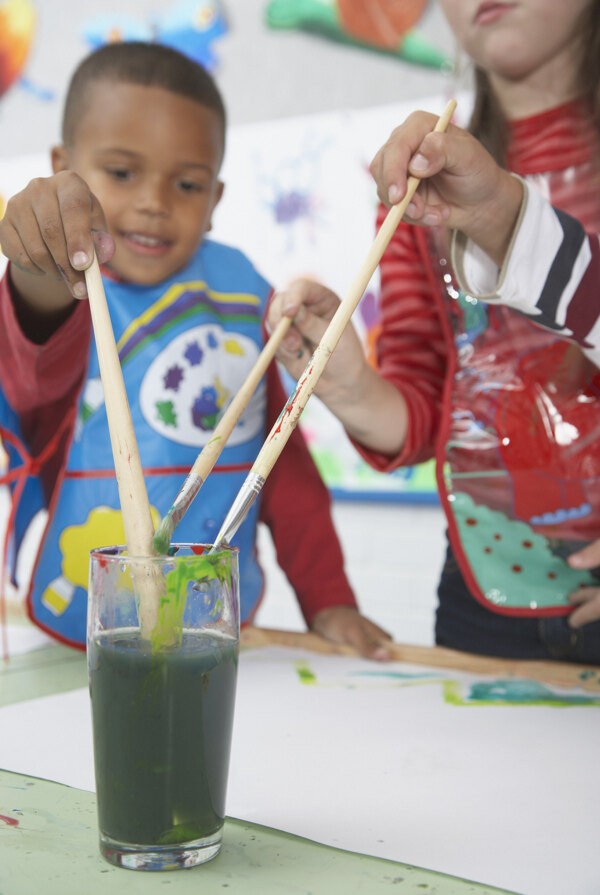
(41, 234)
(345, 624)
(13, 246)
(80, 213)
(370, 641)
(48, 246)
(105, 246)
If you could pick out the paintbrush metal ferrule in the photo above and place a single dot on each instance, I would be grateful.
(169, 522)
(188, 491)
(239, 509)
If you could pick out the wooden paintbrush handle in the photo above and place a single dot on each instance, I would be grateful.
(133, 497)
(211, 451)
(557, 674)
(281, 431)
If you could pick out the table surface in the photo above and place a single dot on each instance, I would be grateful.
(48, 831)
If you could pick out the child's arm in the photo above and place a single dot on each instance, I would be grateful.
(295, 505)
(551, 272)
(41, 382)
(49, 232)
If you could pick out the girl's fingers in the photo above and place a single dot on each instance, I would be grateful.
(588, 609)
(586, 558)
(310, 326)
(391, 166)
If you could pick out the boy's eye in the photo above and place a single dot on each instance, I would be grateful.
(119, 173)
(190, 186)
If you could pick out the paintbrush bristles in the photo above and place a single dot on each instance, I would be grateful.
(163, 534)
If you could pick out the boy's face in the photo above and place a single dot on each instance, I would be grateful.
(152, 159)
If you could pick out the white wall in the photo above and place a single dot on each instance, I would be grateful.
(393, 555)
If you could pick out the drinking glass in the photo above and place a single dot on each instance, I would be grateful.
(162, 649)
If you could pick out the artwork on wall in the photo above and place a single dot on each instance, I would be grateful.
(383, 26)
(17, 26)
(18, 20)
(190, 26)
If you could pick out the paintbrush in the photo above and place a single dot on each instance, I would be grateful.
(133, 497)
(211, 451)
(289, 416)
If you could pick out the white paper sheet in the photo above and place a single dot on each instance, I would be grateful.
(23, 638)
(390, 760)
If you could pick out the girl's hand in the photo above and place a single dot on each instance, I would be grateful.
(312, 306)
(463, 188)
(587, 599)
(49, 233)
(370, 408)
(344, 624)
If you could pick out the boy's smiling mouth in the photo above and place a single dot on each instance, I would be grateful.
(145, 243)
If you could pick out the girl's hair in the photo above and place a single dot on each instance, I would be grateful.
(146, 64)
(487, 119)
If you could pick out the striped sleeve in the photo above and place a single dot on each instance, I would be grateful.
(551, 273)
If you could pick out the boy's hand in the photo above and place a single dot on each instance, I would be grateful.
(463, 187)
(587, 599)
(49, 233)
(344, 624)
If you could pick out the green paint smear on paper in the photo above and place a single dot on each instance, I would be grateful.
(398, 676)
(496, 692)
(305, 674)
(513, 692)
(206, 567)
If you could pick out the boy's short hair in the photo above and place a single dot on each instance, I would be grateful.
(146, 64)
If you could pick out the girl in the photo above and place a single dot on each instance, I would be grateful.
(494, 371)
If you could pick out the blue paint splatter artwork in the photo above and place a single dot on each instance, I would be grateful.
(190, 26)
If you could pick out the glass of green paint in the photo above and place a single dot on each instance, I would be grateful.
(162, 702)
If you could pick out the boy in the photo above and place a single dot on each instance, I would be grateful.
(136, 179)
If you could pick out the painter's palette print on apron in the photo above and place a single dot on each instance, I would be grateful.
(190, 383)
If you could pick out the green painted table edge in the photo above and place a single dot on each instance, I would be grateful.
(48, 833)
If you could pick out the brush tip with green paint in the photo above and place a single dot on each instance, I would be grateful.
(163, 534)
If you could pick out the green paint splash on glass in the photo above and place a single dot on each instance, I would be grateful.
(200, 569)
